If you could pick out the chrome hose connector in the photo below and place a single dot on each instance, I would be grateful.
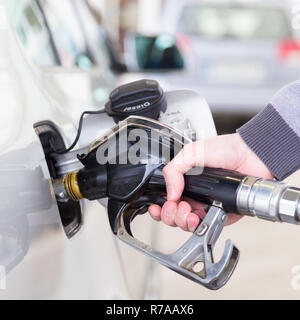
(269, 199)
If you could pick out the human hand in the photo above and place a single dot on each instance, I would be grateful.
(224, 152)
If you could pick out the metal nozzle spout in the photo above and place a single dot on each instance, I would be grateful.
(270, 200)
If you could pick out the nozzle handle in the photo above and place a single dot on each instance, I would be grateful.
(211, 185)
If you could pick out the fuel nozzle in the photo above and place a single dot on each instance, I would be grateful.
(131, 187)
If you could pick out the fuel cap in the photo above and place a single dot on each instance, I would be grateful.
(143, 98)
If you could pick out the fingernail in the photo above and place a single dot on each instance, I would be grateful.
(181, 212)
(170, 193)
(169, 212)
(191, 224)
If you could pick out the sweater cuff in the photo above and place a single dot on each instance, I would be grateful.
(273, 141)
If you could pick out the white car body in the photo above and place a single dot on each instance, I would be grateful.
(37, 260)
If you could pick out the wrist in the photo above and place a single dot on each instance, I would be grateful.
(250, 163)
(273, 142)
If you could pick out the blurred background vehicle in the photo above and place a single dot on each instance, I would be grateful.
(61, 43)
(242, 51)
(80, 37)
(82, 48)
(89, 45)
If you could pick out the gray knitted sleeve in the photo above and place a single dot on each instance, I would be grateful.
(274, 134)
